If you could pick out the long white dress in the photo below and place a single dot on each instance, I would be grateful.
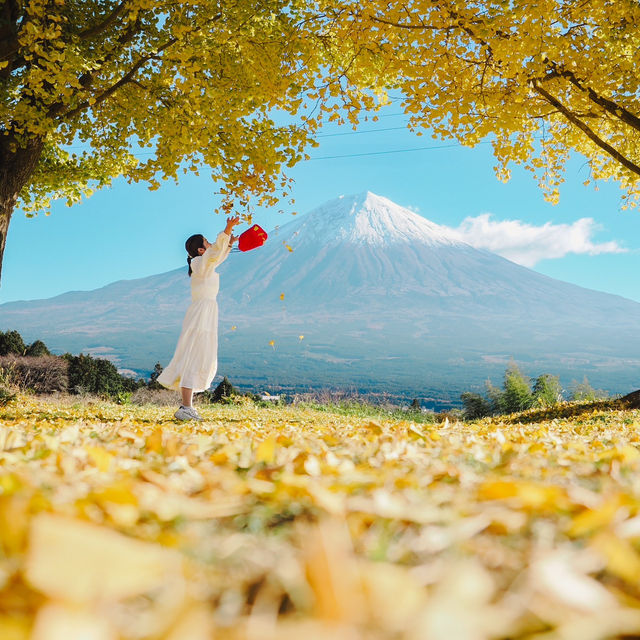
(195, 361)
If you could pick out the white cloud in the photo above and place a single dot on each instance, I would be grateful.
(527, 244)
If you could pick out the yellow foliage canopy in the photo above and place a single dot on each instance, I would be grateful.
(149, 89)
(184, 85)
(540, 79)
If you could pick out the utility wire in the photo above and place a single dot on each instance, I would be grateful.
(382, 153)
(355, 133)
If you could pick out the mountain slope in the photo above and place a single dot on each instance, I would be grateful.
(385, 300)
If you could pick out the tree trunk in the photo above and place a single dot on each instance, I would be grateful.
(17, 164)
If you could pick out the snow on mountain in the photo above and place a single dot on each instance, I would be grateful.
(366, 219)
(385, 300)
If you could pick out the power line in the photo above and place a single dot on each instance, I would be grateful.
(367, 153)
(354, 133)
(321, 135)
(383, 153)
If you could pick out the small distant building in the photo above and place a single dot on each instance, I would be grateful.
(267, 397)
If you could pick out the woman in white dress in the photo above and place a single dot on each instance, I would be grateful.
(195, 361)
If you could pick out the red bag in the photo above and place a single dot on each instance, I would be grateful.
(252, 238)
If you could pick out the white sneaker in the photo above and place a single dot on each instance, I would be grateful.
(187, 413)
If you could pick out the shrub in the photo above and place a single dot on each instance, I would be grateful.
(475, 405)
(584, 392)
(6, 396)
(222, 393)
(153, 378)
(547, 390)
(97, 375)
(44, 374)
(37, 349)
(517, 394)
(158, 397)
(12, 342)
(495, 399)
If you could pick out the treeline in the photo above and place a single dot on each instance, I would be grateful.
(519, 393)
(33, 367)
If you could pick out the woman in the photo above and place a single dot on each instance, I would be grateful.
(195, 361)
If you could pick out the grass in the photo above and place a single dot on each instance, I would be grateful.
(311, 522)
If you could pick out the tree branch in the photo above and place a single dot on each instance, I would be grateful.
(97, 29)
(124, 80)
(412, 27)
(611, 107)
(608, 105)
(605, 146)
(9, 18)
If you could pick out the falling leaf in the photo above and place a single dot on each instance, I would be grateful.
(282, 296)
(234, 327)
(272, 343)
(300, 337)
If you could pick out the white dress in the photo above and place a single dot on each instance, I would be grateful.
(195, 361)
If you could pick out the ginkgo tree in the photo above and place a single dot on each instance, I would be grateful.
(147, 89)
(541, 79)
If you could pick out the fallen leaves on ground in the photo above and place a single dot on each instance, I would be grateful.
(118, 523)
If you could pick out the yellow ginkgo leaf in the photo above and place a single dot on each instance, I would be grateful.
(79, 562)
(266, 450)
(282, 296)
(301, 337)
(234, 327)
(272, 343)
(101, 458)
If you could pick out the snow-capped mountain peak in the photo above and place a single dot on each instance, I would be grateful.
(367, 219)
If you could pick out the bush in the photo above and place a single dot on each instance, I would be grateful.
(547, 390)
(584, 392)
(6, 396)
(44, 374)
(517, 394)
(160, 397)
(153, 378)
(37, 349)
(222, 393)
(475, 406)
(99, 376)
(11, 342)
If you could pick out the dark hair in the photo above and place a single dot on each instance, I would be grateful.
(192, 245)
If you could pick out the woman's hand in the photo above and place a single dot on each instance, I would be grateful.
(232, 221)
(232, 240)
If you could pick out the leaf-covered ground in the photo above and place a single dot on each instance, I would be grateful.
(116, 522)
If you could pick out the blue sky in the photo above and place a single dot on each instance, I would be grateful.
(127, 231)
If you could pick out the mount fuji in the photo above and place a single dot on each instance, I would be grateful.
(361, 294)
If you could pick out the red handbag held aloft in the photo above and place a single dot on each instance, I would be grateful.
(255, 236)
